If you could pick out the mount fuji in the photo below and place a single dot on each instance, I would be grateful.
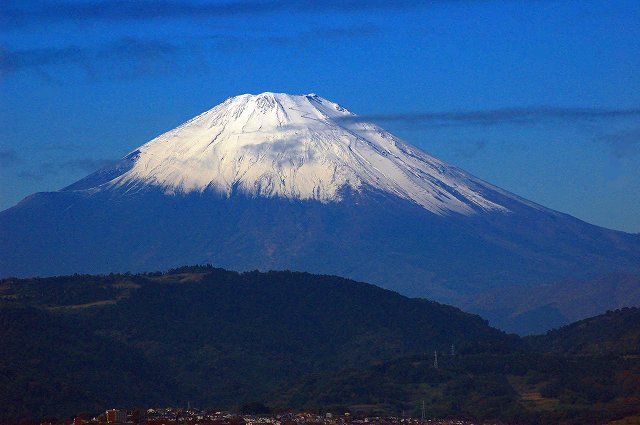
(278, 181)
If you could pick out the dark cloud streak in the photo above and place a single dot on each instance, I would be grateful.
(82, 165)
(130, 56)
(625, 143)
(500, 116)
(49, 12)
(357, 31)
(11, 61)
(122, 57)
(30, 175)
(9, 157)
(88, 165)
(46, 12)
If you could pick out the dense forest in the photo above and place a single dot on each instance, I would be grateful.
(613, 333)
(295, 340)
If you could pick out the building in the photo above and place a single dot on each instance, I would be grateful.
(116, 416)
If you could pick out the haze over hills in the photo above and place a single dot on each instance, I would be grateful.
(276, 181)
(536, 308)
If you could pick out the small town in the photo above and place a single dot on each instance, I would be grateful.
(190, 416)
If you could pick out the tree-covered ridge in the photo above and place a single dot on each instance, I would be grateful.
(204, 335)
(615, 332)
(517, 388)
(222, 339)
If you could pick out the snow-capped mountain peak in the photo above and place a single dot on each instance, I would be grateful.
(301, 147)
(281, 182)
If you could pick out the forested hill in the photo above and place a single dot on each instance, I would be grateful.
(220, 339)
(613, 333)
(205, 335)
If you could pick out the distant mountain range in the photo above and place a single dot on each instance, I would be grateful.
(220, 339)
(277, 181)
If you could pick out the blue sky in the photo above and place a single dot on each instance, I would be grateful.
(539, 97)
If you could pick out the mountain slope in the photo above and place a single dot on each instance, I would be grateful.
(213, 337)
(613, 333)
(275, 181)
(51, 364)
(294, 147)
(294, 341)
(535, 309)
(506, 387)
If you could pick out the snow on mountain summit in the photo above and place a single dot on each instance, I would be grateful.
(297, 147)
